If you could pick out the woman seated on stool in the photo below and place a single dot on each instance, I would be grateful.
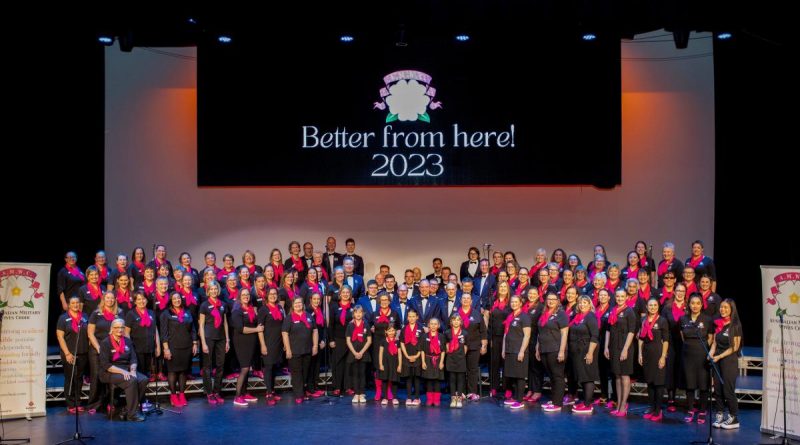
(118, 367)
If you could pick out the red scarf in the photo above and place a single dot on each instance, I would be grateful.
(633, 272)
(613, 316)
(677, 311)
(318, 316)
(358, 330)
(384, 317)
(233, 293)
(300, 317)
(464, 316)
(189, 297)
(705, 296)
(297, 264)
(410, 334)
(278, 268)
(534, 270)
(222, 274)
(322, 271)
(290, 292)
(500, 304)
(146, 320)
(545, 316)
(595, 294)
(691, 287)
(124, 297)
(251, 312)
(162, 300)
(121, 269)
(644, 291)
(343, 312)
(436, 348)
(721, 323)
(94, 291)
(102, 270)
(664, 267)
(139, 266)
(631, 302)
(611, 286)
(251, 269)
(76, 320)
(520, 287)
(563, 292)
(494, 270)
(314, 288)
(108, 315)
(581, 283)
(149, 288)
(119, 348)
(262, 294)
(542, 290)
(274, 311)
(666, 295)
(245, 284)
(643, 261)
(454, 344)
(391, 345)
(694, 262)
(599, 311)
(75, 272)
(181, 313)
(215, 305)
(578, 319)
(647, 327)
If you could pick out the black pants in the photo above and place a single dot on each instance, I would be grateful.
(473, 371)
(359, 376)
(556, 372)
(134, 390)
(340, 374)
(413, 387)
(655, 395)
(535, 374)
(604, 367)
(432, 386)
(572, 379)
(215, 357)
(457, 382)
(690, 399)
(97, 391)
(725, 394)
(313, 371)
(269, 374)
(299, 366)
(145, 360)
(496, 361)
(72, 387)
(518, 386)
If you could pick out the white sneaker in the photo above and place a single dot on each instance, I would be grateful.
(356, 399)
(458, 402)
(718, 420)
(731, 423)
(362, 398)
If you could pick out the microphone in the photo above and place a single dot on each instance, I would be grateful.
(650, 251)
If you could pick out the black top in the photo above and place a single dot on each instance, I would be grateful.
(660, 331)
(496, 318)
(358, 344)
(127, 356)
(627, 322)
(90, 303)
(339, 330)
(586, 331)
(102, 326)
(143, 337)
(676, 268)
(211, 332)
(67, 283)
(72, 338)
(177, 333)
(724, 338)
(381, 326)
(698, 328)
(155, 265)
(476, 331)
(705, 267)
(300, 336)
(515, 334)
(550, 333)
(240, 320)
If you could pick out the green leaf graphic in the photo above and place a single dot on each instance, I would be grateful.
(391, 118)
(29, 304)
(424, 117)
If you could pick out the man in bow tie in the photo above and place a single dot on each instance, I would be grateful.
(470, 268)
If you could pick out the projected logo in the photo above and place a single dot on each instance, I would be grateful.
(786, 294)
(18, 288)
(408, 94)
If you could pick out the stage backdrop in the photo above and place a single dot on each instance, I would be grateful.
(667, 190)
(24, 290)
(781, 295)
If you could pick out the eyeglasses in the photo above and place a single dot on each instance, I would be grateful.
(669, 278)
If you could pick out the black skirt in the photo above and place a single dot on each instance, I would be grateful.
(274, 350)
(695, 365)
(181, 358)
(651, 353)
(622, 367)
(366, 358)
(244, 345)
(389, 367)
(515, 369)
(411, 369)
(432, 372)
(584, 373)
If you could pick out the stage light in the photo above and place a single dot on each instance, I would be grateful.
(224, 39)
(724, 36)
(106, 40)
(588, 37)
(192, 20)
(462, 37)
(346, 38)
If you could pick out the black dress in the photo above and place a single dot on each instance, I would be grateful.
(90, 302)
(695, 363)
(389, 372)
(432, 359)
(244, 344)
(380, 324)
(651, 351)
(626, 323)
(512, 367)
(581, 334)
(675, 375)
(143, 337)
(359, 342)
(456, 359)
(412, 369)
(178, 334)
(272, 334)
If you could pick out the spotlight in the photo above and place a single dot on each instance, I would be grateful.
(462, 37)
(106, 40)
(588, 37)
(346, 38)
(224, 39)
(192, 20)
(724, 36)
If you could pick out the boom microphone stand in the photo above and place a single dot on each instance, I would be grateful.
(784, 438)
(719, 381)
(77, 436)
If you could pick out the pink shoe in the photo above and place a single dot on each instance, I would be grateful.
(689, 416)
(390, 396)
(493, 393)
(173, 400)
(162, 377)
(509, 401)
(152, 378)
(517, 405)
(232, 376)
(259, 374)
(298, 401)
(271, 401)
(671, 406)
(701, 417)
(657, 417)
(240, 401)
(276, 397)
(182, 399)
(211, 399)
(611, 405)
(318, 393)
(550, 408)
(508, 394)
(623, 412)
(350, 392)
(535, 398)
(647, 416)
(378, 389)
(249, 397)
(220, 400)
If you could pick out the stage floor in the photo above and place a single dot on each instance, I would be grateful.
(318, 422)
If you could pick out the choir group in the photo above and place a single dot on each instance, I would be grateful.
(580, 325)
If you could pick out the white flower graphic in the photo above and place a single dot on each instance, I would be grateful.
(407, 100)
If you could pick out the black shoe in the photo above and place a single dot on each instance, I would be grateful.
(730, 423)
(138, 417)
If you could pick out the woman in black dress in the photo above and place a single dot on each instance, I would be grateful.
(653, 349)
(411, 348)
(433, 350)
(456, 359)
(245, 327)
(141, 326)
(317, 313)
(341, 314)
(622, 323)
(74, 344)
(494, 319)
(551, 348)
(359, 339)
(98, 330)
(179, 343)
(725, 351)
(477, 343)
(300, 341)
(695, 329)
(583, 341)
(215, 341)
(69, 279)
(534, 307)
(271, 316)
(601, 311)
(672, 313)
(390, 366)
(517, 336)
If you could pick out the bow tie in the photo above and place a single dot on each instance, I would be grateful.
(473, 262)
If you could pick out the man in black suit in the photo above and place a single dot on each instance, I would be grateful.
(470, 268)
(358, 262)
(484, 284)
(331, 258)
(437, 271)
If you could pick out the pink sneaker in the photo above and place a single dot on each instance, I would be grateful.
(276, 397)
(657, 417)
(220, 400)
(240, 401)
(493, 393)
(173, 400)
(162, 377)
(182, 399)
(582, 409)
(550, 408)
(232, 376)
(259, 374)
(611, 405)
(517, 405)
(298, 401)
(689, 416)
(249, 397)
(509, 401)
(211, 399)
(647, 416)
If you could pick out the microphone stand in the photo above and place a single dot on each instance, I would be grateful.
(326, 312)
(784, 438)
(157, 409)
(77, 436)
(719, 381)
